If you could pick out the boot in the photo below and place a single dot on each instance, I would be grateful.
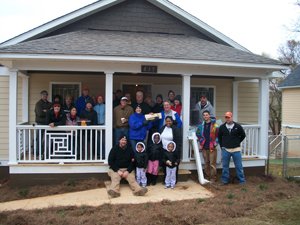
(149, 180)
(154, 178)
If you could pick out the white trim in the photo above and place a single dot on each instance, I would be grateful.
(186, 95)
(285, 125)
(57, 168)
(250, 162)
(138, 59)
(13, 84)
(289, 87)
(25, 99)
(4, 71)
(3, 162)
(108, 113)
(61, 21)
(235, 100)
(263, 117)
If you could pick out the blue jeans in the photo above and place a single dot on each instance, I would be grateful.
(237, 159)
(120, 132)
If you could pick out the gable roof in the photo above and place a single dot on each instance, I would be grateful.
(135, 44)
(104, 4)
(292, 80)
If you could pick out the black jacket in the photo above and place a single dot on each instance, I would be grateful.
(171, 156)
(121, 158)
(155, 151)
(231, 139)
(58, 121)
(141, 159)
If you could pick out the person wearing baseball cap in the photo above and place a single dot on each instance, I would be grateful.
(231, 134)
(122, 113)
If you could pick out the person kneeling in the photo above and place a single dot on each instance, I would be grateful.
(120, 160)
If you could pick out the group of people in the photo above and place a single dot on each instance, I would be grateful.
(142, 146)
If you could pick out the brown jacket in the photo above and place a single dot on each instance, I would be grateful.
(122, 113)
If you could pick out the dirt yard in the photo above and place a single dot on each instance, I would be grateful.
(263, 200)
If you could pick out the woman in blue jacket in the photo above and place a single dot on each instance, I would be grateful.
(138, 127)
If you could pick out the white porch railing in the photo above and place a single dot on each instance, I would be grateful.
(249, 145)
(43, 144)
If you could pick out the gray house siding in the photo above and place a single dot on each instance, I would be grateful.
(135, 16)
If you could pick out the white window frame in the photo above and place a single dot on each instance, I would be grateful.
(208, 86)
(58, 82)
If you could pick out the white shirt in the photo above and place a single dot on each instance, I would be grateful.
(166, 136)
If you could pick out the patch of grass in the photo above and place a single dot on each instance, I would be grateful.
(230, 195)
(263, 187)
(23, 192)
(200, 200)
(244, 190)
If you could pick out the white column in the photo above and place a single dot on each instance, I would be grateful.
(13, 85)
(108, 113)
(235, 100)
(25, 99)
(263, 116)
(186, 95)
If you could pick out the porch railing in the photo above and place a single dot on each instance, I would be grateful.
(43, 144)
(249, 145)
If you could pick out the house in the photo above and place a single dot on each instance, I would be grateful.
(121, 44)
(290, 88)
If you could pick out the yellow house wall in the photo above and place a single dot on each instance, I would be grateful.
(4, 90)
(291, 106)
(248, 102)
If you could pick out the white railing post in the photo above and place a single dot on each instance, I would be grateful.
(108, 113)
(186, 93)
(13, 84)
(235, 100)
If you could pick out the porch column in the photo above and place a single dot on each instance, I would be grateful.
(263, 116)
(108, 113)
(13, 85)
(25, 99)
(186, 95)
(235, 100)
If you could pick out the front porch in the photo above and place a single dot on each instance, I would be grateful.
(81, 149)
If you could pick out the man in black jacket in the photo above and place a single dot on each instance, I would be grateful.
(121, 162)
(231, 134)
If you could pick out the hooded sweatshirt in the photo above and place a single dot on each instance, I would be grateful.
(171, 156)
(141, 158)
(155, 150)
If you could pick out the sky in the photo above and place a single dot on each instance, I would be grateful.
(261, 26)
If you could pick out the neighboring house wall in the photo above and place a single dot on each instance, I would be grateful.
(248, 102)
(291, 106)
(123, 17)
(4, 86)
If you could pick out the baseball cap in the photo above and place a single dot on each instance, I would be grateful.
(124, 99)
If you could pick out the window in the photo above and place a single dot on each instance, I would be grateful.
(65, 88)
(196, 93)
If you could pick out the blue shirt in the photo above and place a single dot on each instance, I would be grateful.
(100, 109)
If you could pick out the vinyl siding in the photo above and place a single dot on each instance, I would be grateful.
(291, 106)
(4, 84)
(248, 102)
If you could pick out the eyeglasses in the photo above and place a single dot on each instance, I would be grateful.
(227, 117)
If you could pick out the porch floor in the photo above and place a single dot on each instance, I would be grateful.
(97, 197)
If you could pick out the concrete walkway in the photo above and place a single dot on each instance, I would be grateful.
(96, 197)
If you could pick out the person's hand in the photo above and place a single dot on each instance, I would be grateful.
(51, 125)
(120, 173)
(125, 174)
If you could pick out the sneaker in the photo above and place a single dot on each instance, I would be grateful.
(172, 187)
(113, 193)
(141, 192)
(167, 186)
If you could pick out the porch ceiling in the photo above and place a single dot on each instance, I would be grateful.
(128, 44)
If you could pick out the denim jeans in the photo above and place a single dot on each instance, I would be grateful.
(120, 132)
(237, 159)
